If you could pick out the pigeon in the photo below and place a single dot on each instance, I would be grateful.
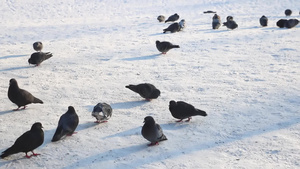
(165, 46)
(263, 21)
(145, 90)
(174, 27)
(161, 18)
(209, 12)
(288, 12)
(28, 141)
(105, 110)
(172, 18)
(230, 24)
(19, 96)
(291, 23)
(152, 131)
(38, 46)
(38, 57)
(181, 24)
(281, 23)
(216, 21)
(66, 124)
(182, 110)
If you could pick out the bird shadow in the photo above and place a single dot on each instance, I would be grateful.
(6, 111)
(128, 105)
(16, 68)
(12, 56)
(148, 57)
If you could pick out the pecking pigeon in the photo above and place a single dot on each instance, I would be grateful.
(165, 46)
(102, 112)
(230, 24)
(152, 131)
(19, 96)
(174, 27)
(281, 23)
(145, 90)
(28, 141)
(66, 124)
(182, 110)
(38, 57)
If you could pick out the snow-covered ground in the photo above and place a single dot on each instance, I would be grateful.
(247, 80)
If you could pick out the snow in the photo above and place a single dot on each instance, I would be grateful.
(247, 80)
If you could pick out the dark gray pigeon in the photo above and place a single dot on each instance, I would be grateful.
(38, 46)
(67, 124)
(182, 110)
(288, 12)
(281, 23)
(145, 90)
(172, 18)
(231, 24)
(102, 112)
(28, 141)
(152, 131)
(263, 21)
(216, 21)
(209, 12)
(291, 23)
(19, 96)
(174, 27)
(38, 57)
(165, 46)
(161, 18)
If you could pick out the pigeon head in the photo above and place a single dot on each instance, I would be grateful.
(229, 18)
(30, 61)
(155, 93)
(172, 103)
(13, 82)
(149, 120)
(97, 108)
(71, 109)
(157, 42)
(182, 24)
(36, 126)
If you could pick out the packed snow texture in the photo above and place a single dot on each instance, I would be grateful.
(247, 80)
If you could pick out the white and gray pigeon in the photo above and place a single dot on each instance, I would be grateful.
(38, 46)
(152, 131)
(102, 112)
(182, 24)
(67, 124)
(161, 18)
(216, 21)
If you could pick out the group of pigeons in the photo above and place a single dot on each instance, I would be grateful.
(231, 24)
(69, 121)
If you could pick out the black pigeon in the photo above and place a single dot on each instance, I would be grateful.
(66, 124)
(216, 21)
(172, 18)
(161, 18)
(281, 23)
(152, 131)
(288, 12)
(38, 46)
(230, 24)
(291, 23)
(28, 141)
(145, 90)
(263, 21)
(102, 112)
(174, 27)
(19, 96)
(182, 110)
(38, 57)
(165, 46)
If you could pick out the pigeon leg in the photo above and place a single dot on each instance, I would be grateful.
(24, 107)
(16, 109)
(149, 100)
(179, 120)
(153, 144)
(27, 155)
(188, 119)
(71, 134)
(34, 154)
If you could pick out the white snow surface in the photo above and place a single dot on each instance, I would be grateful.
(247, 80)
